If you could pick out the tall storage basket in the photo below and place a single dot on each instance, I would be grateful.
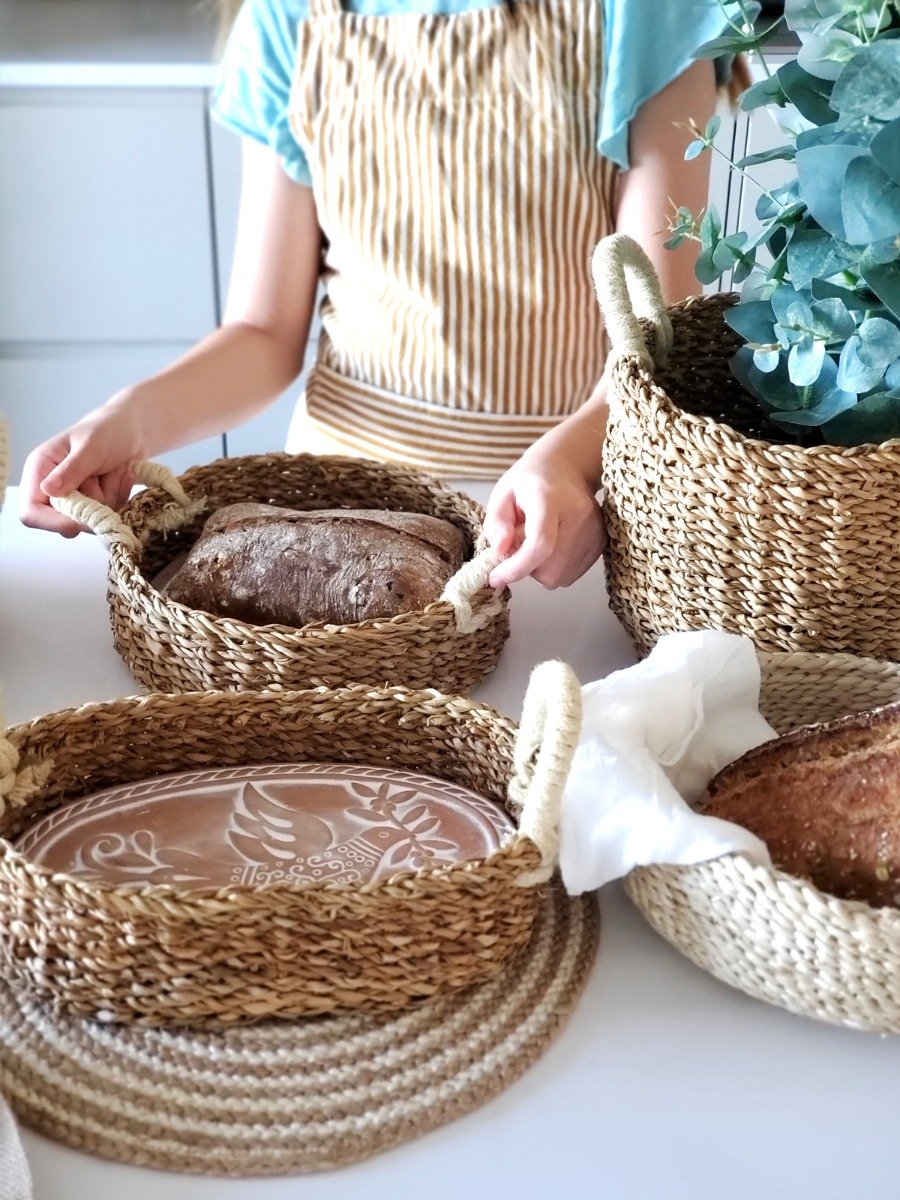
(711, 524)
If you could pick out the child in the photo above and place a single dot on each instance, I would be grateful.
(444, 168)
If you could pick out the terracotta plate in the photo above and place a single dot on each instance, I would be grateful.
(255, 824)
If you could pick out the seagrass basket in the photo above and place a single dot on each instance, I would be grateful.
(450, 645)
(770, 934)
(172, 954)
(714, 521)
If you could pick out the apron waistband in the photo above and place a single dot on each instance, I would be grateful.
(374, 423)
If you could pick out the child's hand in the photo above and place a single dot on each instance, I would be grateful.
(545, 515)
(92, 457)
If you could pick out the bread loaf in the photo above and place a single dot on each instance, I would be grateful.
(269, 565)
(826, 801)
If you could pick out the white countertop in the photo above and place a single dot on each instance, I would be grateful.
(664, 1085)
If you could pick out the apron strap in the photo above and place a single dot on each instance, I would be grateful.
(324, 8)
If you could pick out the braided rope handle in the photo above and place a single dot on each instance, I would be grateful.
(548, 735)
(17, 783)
(628, 287)
(459, 591)
(106, 523)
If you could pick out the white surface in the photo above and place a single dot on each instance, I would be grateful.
(665, 1085)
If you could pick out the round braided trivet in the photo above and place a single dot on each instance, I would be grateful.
(286, 1097)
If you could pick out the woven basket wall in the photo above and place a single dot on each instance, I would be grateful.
(164, 954)
(712, 525)
(170, 647)
(770, 934)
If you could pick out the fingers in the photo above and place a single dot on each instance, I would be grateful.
(501, 519)
(541, 532)
(35, 510)
(71, 473)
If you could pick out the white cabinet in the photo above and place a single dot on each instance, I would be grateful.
(106, 250)
(104, 215)
(44, 388)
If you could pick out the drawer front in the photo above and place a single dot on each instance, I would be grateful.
(104, 216)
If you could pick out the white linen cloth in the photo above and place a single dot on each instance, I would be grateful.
(652, 737)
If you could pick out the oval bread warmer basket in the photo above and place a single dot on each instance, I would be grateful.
(715, 523)
(771, 934)
(450, 645)
(172, 954)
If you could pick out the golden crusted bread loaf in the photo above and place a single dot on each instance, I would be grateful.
(270, 565)
(826, 801)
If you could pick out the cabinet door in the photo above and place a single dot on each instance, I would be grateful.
(45, 389)
(268, 431)
(104, 215)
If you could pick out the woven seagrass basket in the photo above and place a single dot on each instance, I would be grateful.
(715, 523)
(171, 954)
(770, 934)
(451, 644)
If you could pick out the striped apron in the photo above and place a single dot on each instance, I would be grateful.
(459, 214)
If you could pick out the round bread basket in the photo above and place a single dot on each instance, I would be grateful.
(773, 935)
(711, 525)
(450, 645)
(167, 954)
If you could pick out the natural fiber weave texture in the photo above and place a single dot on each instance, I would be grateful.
(287, 1097)
(715, 521)
(167, 954)
(769, 933)
(451, 644)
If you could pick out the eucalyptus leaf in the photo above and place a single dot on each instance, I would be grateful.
(870, 203)
(783, 298)
(832, 320)
(766, 360)
(885, 147)
(869, 85)
(892, 375)
(694, 149)
(730, 43)
(787, 153)
(874, 419)
(810, 94)
(767, 91)
(805, 361)
(813, 254)
(833, 402)
(879, 342)
(825, 55)
(820, 172)
(880, 253)
(854, 375)
(884, 280)
(823, 288)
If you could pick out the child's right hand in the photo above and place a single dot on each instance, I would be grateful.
(92, 457)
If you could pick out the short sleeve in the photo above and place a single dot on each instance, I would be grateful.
(254, 82)
(646, 45)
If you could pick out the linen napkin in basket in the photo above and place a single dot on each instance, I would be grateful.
(15, 1181)
(652, 737)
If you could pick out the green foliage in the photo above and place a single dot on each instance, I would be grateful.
(820, 302)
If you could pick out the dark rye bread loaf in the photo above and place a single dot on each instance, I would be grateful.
(270, 565)
(826, 801)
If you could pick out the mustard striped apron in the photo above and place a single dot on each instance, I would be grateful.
(459, 321)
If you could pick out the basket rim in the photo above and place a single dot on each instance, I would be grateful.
(227, 896)
(630, 366)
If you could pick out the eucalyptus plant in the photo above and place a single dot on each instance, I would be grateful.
(819, 307)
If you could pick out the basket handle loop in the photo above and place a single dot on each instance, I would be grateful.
(628, 287)
(17, 783)
(548, 735)
(462, 588)
(105, 522)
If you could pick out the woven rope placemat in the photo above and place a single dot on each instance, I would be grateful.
(286, 1097)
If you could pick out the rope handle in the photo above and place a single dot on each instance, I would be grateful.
(106, 523)
(548, 735)
(17, 782)
(462, 588)
(628, 287)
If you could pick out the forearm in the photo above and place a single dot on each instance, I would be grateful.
(222, 381)
(578, 441)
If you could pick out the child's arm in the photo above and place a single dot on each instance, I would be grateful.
(223, 380)
(546, 502)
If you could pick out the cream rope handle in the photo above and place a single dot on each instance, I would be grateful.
(548, 735)
(628, 287)
(17, 785)
(106, 523)
(460, 590)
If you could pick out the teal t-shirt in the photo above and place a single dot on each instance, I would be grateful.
(647, 44)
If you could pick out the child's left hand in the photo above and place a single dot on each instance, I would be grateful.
(544, 513)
